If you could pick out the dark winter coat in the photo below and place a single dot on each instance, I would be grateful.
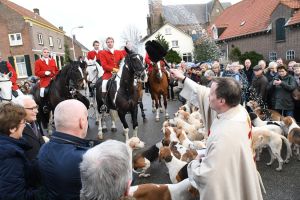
(282, 94)
(16, 172)
(259, 84)
(34, 139)
(59, 161)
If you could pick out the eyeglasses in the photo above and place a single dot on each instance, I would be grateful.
(33, 108)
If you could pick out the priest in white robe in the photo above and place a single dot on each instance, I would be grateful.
(228, 170)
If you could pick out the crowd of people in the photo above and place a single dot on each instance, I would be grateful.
(271, 86)
(68, 166)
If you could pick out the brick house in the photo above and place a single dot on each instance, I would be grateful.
(80, 49)
(23, 34)
(190, 18)
(271, 28)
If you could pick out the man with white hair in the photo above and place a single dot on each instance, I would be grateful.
(32, 133)
(59, 159)
(106, 171)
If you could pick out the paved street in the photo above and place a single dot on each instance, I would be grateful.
(283, 185)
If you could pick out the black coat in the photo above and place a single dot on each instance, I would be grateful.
(33, 140)
(282, 94)
(16, 172)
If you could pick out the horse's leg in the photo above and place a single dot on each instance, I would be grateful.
(160, 106)
(134, 114)
(51, 121)
(153, 105)
(113, 115)
(125, 125)
(165, 106)
(142, 111)
(156, 106)
(100, 132)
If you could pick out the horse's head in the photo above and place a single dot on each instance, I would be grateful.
(75, 76)
(134, 61)
(5, 87)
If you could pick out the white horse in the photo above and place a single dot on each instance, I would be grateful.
(5, 87)
(94, 72)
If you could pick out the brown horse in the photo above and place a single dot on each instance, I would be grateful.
(158, 81)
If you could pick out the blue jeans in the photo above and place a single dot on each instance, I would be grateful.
(286, 112)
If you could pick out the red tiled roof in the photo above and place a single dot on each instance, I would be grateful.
(291, 3)
(27, 13)
(295, 19)
(249, 16)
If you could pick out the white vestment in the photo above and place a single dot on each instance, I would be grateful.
(228, 170)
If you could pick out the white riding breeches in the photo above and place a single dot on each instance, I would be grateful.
(42, 92)
(104, 84)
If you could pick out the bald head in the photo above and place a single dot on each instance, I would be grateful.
(70, 116)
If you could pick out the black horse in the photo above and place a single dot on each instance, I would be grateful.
(122, 94)
(64, 86)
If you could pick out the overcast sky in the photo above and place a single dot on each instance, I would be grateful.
(100, 18)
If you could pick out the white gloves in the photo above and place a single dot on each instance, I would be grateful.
(47, 73)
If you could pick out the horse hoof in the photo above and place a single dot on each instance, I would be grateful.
(144, 120)
(100, 137)
(157, 119)
(167, 117)
(104, 130)
(97, 122)
(113, 129)
(153, 110)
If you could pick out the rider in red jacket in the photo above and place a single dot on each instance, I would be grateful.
(95, 53)
(110, 60)
(45, 69)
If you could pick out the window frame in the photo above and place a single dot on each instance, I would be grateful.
(22, 68)
(59, 43)
(187, 57)
(288, 55)
(278, 37)
(40, 39)
(15, 41)
(51, 44)
(177, 45)
(271, 55)
(168, 31)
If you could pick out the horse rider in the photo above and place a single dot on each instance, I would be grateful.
(5, 68)
(45, 69)
(110, 60)
(95, 53)
(151, 64)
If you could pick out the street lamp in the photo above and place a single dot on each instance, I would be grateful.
(73, 40)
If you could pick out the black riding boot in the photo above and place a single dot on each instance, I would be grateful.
(45, 105)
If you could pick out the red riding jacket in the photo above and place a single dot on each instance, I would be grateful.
(110, 61)
(41, 67)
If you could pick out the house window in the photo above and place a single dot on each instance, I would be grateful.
(280, 30)
(187, 57)
(59, 43)
(50, 41)
(168, 31)
(40, 39)
(272, 56)
(174, 43)
(15, 39)
(21, 66)
(290, 55)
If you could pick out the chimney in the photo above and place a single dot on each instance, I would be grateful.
(36, 11)
(61, 28)
(74, 38)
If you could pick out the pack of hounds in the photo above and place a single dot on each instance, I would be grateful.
(184, 139)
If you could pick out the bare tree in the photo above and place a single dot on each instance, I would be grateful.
(132, 34)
